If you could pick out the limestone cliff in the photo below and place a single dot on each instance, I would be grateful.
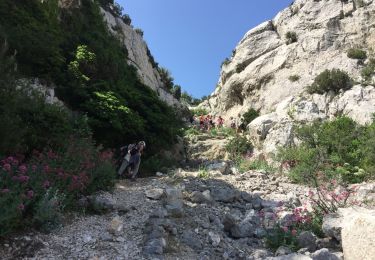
(258, 75)
(139, 56)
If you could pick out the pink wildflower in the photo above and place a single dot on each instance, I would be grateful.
(21, 207)
(22, 169)
(285, 229)
(7, 167)
(34, 167)
(294, 232)
(46, 169)
(46, 184)
(5, 190)
(23, 178)
(30, 194)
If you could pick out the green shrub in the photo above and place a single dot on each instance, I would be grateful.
(357, 54)
(35, 191)
(176, 91)
(369, 70)
(29, 24)
(291, 37)
(238, 146)
(126, 19)
(48, 211)
(227, 132)
(331, 80)
(338, 149)
(240, 67)
(245, 165)
(294, 78)
(249, 116)
(199, 111)
(203, 173)
(139, 31)
(225, 62)
(277, 237)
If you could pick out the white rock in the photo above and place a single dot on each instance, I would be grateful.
(358, 234)
(116, 226)
(154, 194)
(214, 238)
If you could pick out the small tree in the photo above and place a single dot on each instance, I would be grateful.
(249, 116)
(357, 54)
(177, 92)
(166, 78)
(331, 80)
(139, 31)
(291, 37)
(126, 19)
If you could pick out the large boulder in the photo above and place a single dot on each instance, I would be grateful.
(358, 235)
(355, 228)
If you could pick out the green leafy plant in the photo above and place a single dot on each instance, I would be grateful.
(334, 150)
(294, 78)
(203, 173)
(291, 37)
(330, 80)
(139, 31)
(357, 54)
(249, 116)
(199, 111)
(245, 165)
(48, 211)
(83, 59)
(238, 146)
(48, 182)
(368, 71)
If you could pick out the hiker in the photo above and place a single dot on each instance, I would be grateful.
(232, 123)
(220, 122)
(132, 160)
(239, 124)
(201, 122)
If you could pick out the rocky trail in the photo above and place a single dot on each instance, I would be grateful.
(224, 215)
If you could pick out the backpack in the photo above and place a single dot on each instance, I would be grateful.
(132, 148)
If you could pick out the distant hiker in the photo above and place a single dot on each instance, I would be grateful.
(132, 160)
(210, 123)
(239, 124)
(232, 123)
(201, 122)
(220, 122)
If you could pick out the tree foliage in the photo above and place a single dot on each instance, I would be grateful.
(74, 50)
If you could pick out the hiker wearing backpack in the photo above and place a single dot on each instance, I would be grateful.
(132, 160)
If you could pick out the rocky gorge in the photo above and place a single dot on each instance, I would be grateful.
(210, 206)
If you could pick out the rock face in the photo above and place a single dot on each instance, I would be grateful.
(139, 56)
(355, 228)
(258, 74)
(276, 129)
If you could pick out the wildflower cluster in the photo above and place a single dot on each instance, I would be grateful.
(330, 196)
(80, 170)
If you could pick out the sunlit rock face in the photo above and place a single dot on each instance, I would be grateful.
(260, 73)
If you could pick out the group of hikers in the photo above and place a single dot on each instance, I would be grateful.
(208, 122)
(130, 155)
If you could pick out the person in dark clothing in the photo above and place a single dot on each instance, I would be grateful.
(132, 160)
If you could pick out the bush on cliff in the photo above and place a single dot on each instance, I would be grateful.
(331, 80)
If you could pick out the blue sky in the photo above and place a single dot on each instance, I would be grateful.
(191, 38)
